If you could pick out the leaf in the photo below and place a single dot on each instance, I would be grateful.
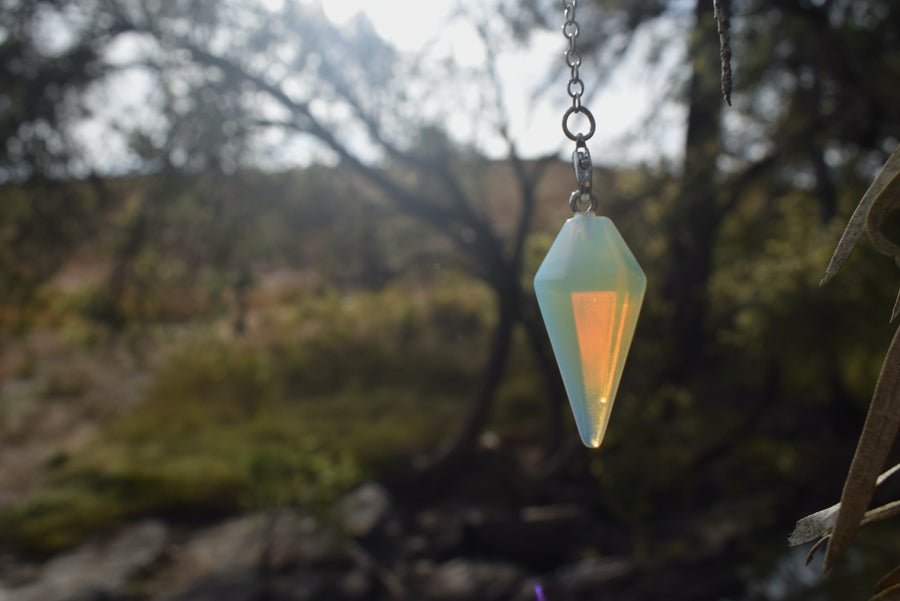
(813, 526)
(892, 579)
(815, 547)
(883, 512)
(887, 201)
(888, 594)
(872, 450)
(858, 221)
(887, 474)
(819, 524)
(896, 308)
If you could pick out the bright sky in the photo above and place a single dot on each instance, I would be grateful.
(407, 23)
(620, 109)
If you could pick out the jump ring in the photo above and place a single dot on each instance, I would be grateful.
(575, 200)
(571, 29)
(573, 58)
(575, 87)
(565, 123)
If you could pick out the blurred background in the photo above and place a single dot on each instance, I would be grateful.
(268, 332)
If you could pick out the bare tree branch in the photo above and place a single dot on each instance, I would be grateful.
(723, 25)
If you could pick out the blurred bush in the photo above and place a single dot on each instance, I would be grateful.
(328, 389)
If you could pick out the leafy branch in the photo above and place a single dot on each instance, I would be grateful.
(837, 525)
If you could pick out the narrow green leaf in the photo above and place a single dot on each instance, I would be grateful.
(857, 223)
(872, 450)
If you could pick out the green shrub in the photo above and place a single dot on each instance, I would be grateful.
(331, 390)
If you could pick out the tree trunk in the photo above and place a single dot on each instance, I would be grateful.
(696, 212)
(481, 404)
(556, 394)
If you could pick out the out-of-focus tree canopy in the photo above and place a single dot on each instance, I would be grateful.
(746, 382)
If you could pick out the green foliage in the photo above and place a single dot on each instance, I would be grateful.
(768, 304)
(320, 396)
(356, 370)
(39, 223)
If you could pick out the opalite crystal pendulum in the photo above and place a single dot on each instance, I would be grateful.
(590, 289)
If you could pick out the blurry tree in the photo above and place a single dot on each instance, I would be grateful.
(737, 334)
(814, 118)
(49, 55)
(813, 113)
(746, 383)
(226, 80)
(42, 70)
(229, 78)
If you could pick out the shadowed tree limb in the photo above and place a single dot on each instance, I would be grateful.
(723, 26)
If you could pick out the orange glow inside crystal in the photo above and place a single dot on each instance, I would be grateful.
(600, 344)
(590, 289)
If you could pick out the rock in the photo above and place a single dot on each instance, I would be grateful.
(355, 584)
(589, 574)
(470, 580)
(14, 574)
(302, 540)
(288, 538)
(233, 546)
(274, 541)
(299, 586)
(97, 570)
(234, 587)
(537, 536)
(444, 531)
(245, 586)
(97, 596)
(415, 546)
(364, 509)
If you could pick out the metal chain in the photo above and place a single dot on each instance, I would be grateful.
(573, 57)
(581, 159)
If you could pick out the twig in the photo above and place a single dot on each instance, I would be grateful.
(879, 432)
(723, 26)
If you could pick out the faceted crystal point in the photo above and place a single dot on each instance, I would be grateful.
(590, 289)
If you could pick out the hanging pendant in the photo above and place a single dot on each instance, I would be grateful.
(590, 289)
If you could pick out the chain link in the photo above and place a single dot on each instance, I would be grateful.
(571, 30)
(584, 196)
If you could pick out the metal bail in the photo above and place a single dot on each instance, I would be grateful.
(583, 199)
(584, 170)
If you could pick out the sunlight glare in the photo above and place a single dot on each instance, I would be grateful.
(407, 24)
(341, 12)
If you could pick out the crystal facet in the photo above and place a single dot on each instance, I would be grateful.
(590, 289)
